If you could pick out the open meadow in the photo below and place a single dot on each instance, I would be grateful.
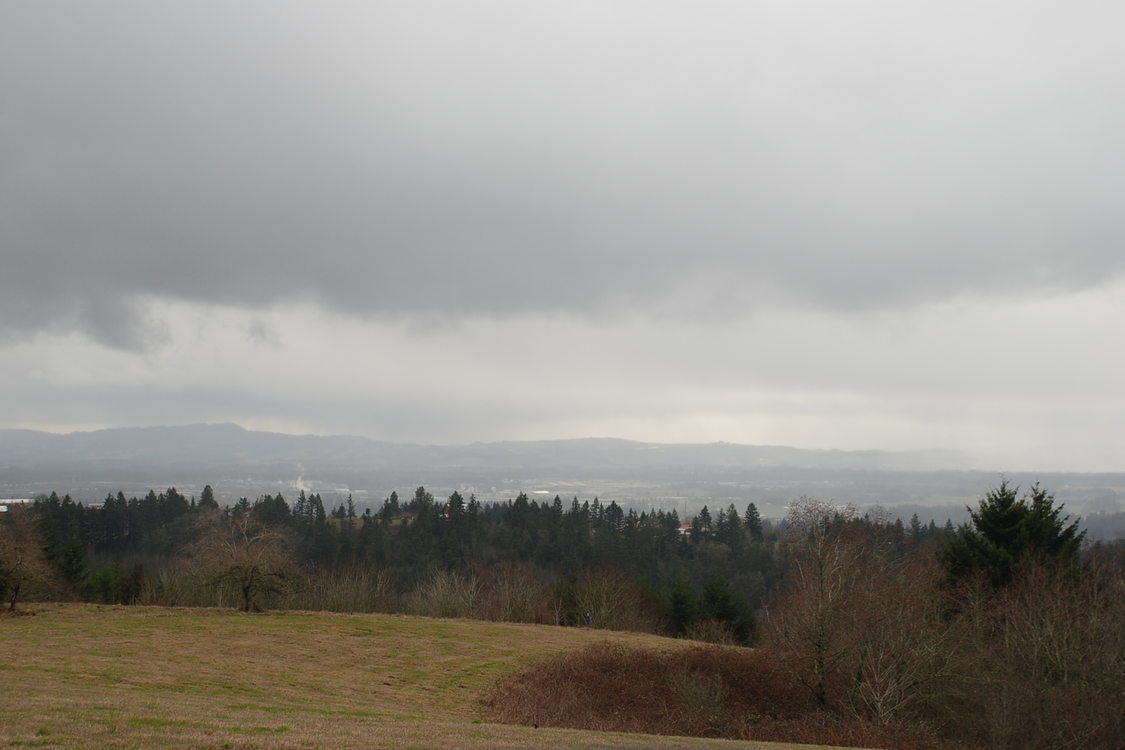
(76, 675)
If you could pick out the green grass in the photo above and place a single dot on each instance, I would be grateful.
(142, 677)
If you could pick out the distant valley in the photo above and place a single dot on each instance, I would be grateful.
(240, 462)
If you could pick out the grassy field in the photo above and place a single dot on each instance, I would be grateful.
(131, 677)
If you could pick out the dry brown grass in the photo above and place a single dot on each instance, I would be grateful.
(131, 677)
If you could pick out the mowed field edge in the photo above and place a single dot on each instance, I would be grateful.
(89, 676)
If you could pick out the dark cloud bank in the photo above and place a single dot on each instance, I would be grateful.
(448, 159)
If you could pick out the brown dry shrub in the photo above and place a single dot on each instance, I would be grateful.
(1042, 662)
(711, 631)
(516, 592)
(706, 691)
(613, 601)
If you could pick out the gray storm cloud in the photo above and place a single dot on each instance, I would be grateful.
(448, 159)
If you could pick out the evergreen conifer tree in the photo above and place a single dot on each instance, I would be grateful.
(1006, 530)
(207, 498)
(753, 522)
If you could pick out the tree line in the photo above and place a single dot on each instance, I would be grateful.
(572, 562)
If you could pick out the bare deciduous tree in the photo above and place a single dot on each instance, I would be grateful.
(859, 623)
(607, 599)
(902, 651)
(1044, 660)
(22, 560)
(810, 622)
(248, 555)
(516, 592)
(445, 593)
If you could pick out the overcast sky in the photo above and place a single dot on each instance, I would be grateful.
(813, 223)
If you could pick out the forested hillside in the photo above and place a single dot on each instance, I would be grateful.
(552, 562)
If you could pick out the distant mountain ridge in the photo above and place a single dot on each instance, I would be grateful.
(232, 447)
(683, 476)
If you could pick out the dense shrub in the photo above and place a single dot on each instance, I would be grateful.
(1041, 663)
(709, 691)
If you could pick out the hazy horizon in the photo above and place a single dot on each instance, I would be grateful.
(66, 431)
(641, 476)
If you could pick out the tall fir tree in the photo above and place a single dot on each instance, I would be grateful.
(1006, 530)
